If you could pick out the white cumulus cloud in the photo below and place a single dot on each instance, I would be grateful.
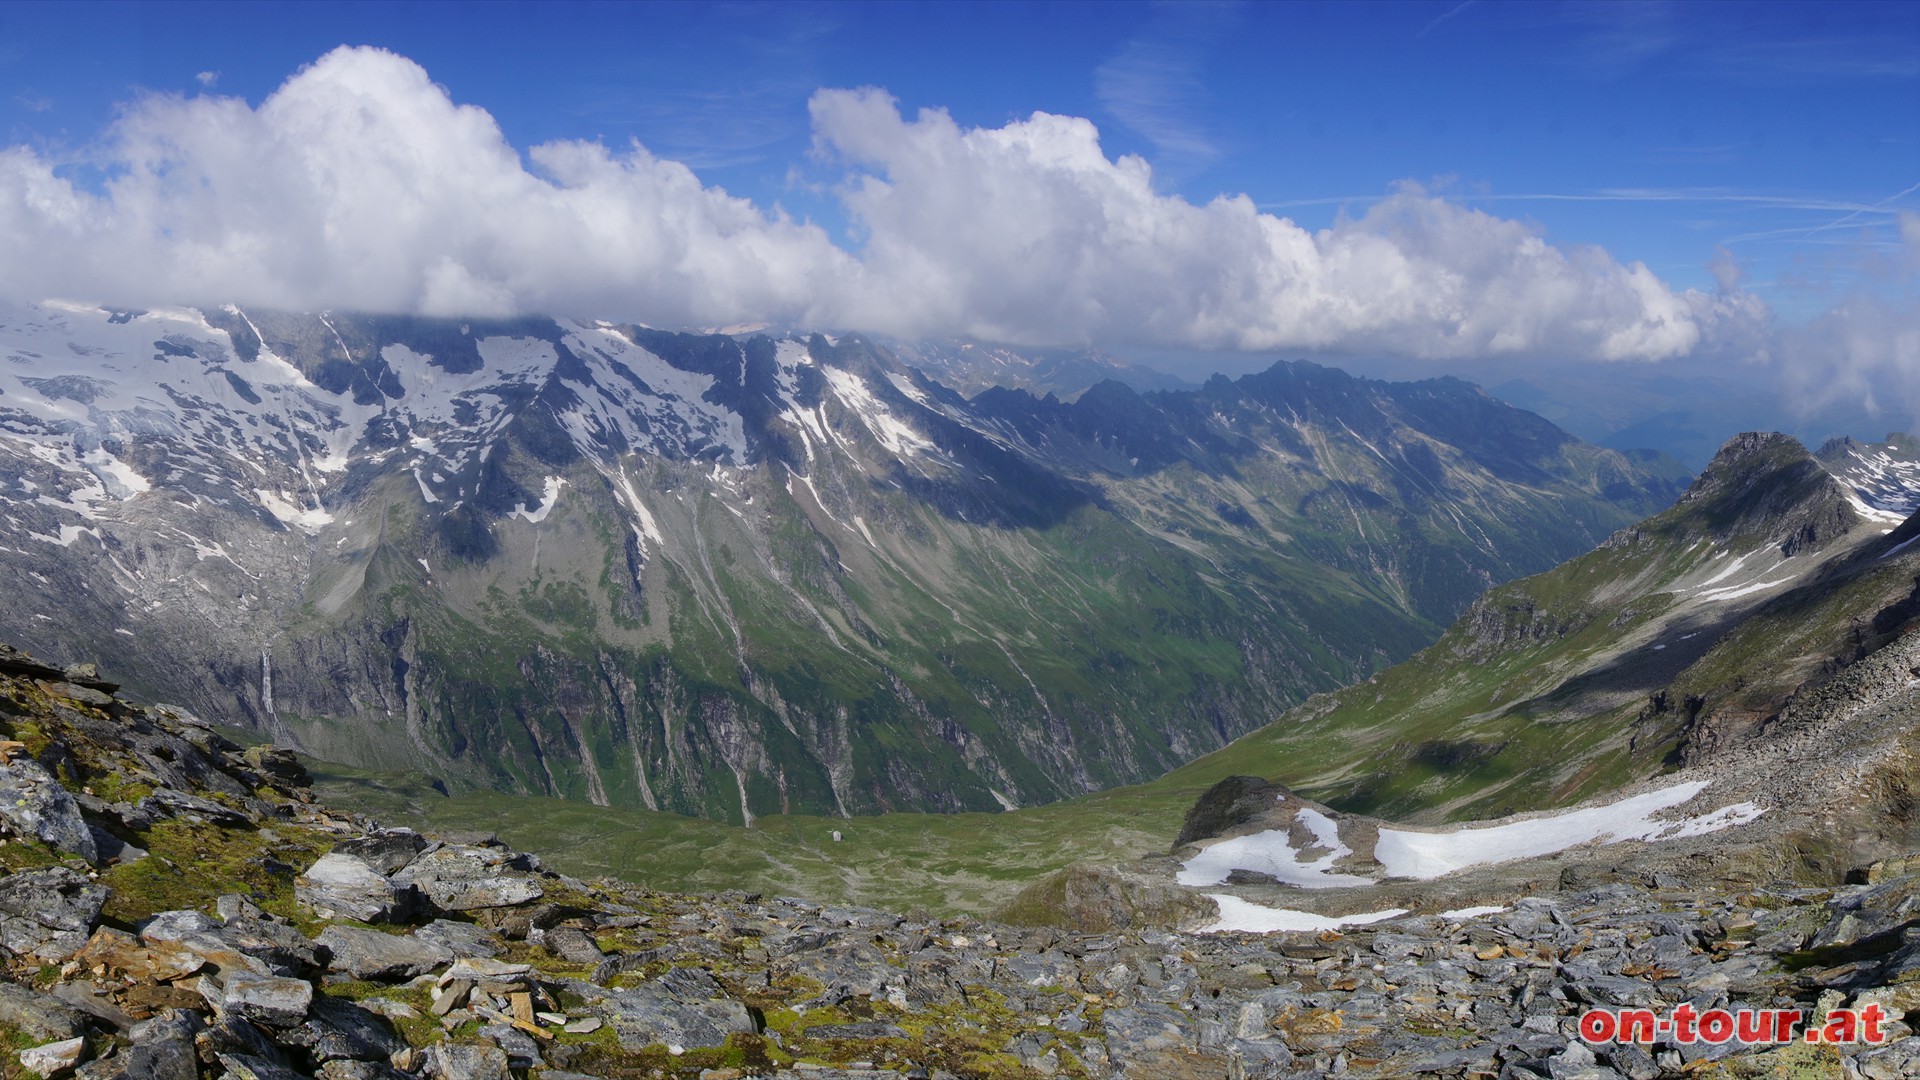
(1030, 233)
(361, 184)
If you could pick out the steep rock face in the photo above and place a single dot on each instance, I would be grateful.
(736, 576)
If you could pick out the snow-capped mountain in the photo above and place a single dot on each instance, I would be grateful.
(734, 575)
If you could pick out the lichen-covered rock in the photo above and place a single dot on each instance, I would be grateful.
(683, 1008)
(266, 999)
(34, 804)
(38, 1016)
(48, 914)
(371, 954)
(469, 878)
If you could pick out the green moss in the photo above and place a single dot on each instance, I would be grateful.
(190, 864)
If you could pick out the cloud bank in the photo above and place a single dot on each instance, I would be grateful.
(360, 184)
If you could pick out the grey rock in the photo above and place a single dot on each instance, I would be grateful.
(178, 925)
(387, 851)
(469, 879)
(38, 1016)
(371, 954)
(464, 940)
(48, 914)
(1894, 1061)
(573, 946)
(167, 803)
(466, 1061)
(867, 1030)
(365, 1070)
(247, 1067)
(345, 886)
(54, 1058)
(266, 999)
(522, 1051)
(34, 804)
(684, 1007)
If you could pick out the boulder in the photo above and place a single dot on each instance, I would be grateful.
(343, 1031)
(266, 999)
(34, 804)
(345, 886)
(683, 1008)
(120, 953)
(48, 914)
(467, 1061)
(371, 954)
(53, 1059)
(469, 879)
(387, 851)
(1231, 802)
(464, 940)
(38, 1016)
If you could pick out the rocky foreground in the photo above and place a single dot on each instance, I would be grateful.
(176, 907)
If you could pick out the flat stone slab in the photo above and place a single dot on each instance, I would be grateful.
(371, 954)
(346, 886)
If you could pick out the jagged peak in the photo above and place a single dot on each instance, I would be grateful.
(1766, 486)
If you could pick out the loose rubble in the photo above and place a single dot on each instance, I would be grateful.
(221, 924)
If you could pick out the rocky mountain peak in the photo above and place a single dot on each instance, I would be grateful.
(1765, 487)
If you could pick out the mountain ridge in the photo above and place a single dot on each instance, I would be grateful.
(732, 577)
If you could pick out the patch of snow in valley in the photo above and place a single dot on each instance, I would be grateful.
(1410, 854)
(1473, 912)
(1418, 854)
(1272, 852)
(1248, 917)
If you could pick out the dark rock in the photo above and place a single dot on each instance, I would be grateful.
(34, 804)
(247, 1067)
(1233, 801)
(38, 1016)
(338, 1029)
(233, 1035)
(386, 852)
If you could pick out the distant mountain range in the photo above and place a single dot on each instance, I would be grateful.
(734, 575)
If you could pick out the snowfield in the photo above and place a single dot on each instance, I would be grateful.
(1427, 854)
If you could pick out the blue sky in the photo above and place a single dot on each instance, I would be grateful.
(1786, 133)
(1452, 183)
